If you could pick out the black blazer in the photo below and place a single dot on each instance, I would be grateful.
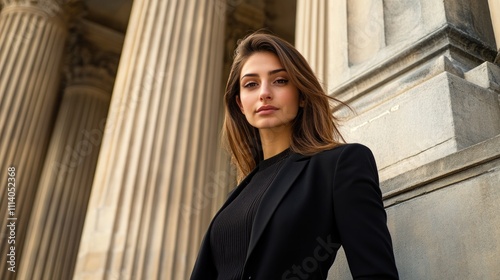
(315, 205)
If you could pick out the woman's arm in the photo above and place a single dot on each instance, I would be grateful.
(360, 215)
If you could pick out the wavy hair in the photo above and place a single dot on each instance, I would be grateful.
(314, 129)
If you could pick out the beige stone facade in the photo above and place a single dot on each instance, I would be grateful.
(110, 116)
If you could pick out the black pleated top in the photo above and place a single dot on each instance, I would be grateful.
(231, 229)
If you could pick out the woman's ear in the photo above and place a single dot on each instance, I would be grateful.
(238, 101)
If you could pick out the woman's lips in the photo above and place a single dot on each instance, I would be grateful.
(266, 109)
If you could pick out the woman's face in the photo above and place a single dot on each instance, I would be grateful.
(267, 98)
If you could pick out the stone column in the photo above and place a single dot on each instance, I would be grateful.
(32, 37)
(311, 34)
(495, 19)
(56, 224)
(156, 183)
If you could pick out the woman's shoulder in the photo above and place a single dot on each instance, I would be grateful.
(350, 152)
(350, 149)
(346, 154)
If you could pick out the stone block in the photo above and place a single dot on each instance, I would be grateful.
(434, 119)
(486, 75)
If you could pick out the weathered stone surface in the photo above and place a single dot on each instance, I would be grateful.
(365, 32)
(436, 118)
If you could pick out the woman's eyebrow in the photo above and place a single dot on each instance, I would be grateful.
(269, 73)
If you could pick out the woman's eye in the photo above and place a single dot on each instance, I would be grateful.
(250, 84)
(281, 81)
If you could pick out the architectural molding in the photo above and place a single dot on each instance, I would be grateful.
(473, 161)
(465, 51)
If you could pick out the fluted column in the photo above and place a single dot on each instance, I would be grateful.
(60, 206)
(311, 34)
(32, 37)
(156, 181)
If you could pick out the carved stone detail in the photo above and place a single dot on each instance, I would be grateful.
(242, 18)
(88, 65)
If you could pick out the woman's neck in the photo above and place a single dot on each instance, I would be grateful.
(275, 140)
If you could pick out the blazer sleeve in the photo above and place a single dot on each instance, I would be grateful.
(360, 216)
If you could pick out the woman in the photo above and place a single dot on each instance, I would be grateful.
(304, 193)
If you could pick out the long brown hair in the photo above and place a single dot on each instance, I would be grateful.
(314, 128)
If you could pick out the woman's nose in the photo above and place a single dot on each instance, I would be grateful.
(265, 92)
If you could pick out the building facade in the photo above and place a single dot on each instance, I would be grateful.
(110, 114)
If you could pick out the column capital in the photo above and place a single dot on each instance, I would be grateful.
(87, 64)
(241, 18)
(64, 9)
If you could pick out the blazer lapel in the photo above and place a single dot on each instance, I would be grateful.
(279, 187)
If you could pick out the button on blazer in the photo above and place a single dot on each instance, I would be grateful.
(315, 205)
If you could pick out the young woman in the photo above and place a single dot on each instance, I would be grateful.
(303, 193)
